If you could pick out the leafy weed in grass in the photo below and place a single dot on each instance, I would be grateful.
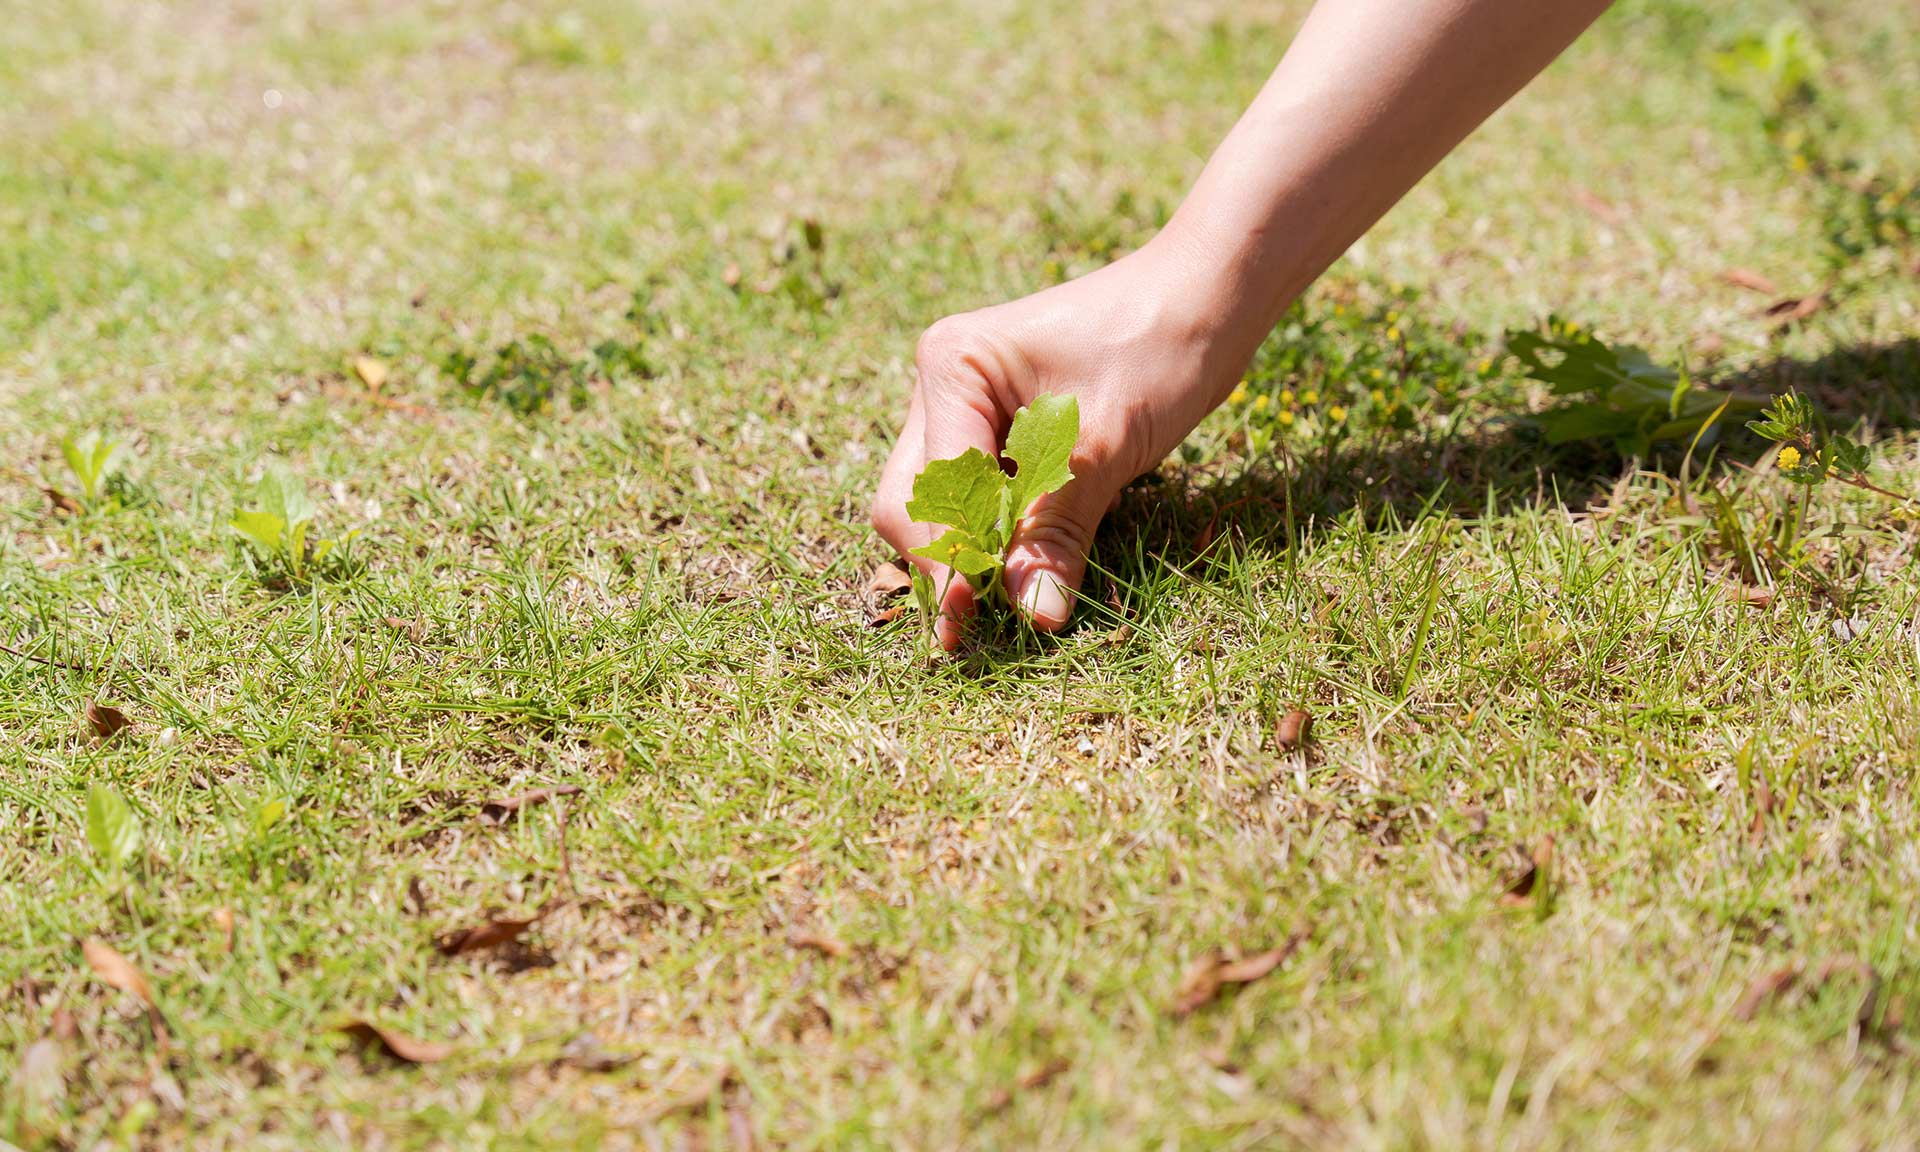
(981, 505)
(280, 528)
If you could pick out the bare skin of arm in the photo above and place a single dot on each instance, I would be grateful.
(1370, 96)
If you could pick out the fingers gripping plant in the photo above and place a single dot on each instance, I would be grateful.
(981, 505)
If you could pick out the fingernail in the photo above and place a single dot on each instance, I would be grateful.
(1045, 599)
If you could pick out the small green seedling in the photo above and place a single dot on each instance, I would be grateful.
(1616, 392)
(94, 460)
(281, 527)
(980, 505)
(112, 828)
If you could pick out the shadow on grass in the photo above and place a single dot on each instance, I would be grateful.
(1504, 465)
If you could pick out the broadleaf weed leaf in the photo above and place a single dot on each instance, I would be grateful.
(1041, 443)
(963, 493)
(112, 828)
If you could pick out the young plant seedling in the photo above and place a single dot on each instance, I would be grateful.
(94, 460)
(280, 528)
(980, 505)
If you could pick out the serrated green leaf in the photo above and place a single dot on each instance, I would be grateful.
(112, 828)
(964, 492)
(1040, 443)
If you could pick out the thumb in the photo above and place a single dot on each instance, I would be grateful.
(1048, 558)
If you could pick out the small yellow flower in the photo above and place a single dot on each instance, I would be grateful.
(1238, 395)
(1486, 365)
(1286, 418)
(1310, 397)
(1260, 402)
(1286, 397)
(1798, 163)
(1378, 396)
(1393, 333)
(1572, 327)
(1393, 317)
(1375, 373)
(1789, 458)
(1339, 309)
(1336, 413)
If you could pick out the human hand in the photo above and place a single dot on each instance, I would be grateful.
(1136, 349)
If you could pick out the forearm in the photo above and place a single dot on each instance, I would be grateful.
(1370, 96)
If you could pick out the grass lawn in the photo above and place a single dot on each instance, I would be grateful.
(816, 889)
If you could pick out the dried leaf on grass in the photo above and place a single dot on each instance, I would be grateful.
(372, 373)
(1213, 970)
(1750, 280)
(1294, 729)
(497, 811)
(1763, 988)
(491, 934)
(398, 1045)
(1794, 309)
(223, 920)
(1756, 595)
(119, 973)
(62, 502)
(890, 580)
(887, 615)
(815, 942)
(1522, 892)
(104, 721)
(1002, 1098)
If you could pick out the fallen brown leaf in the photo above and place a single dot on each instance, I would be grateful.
(1595, 205)
(814, 942)
(416, 897)
(730, 275)
(61, 501)
(223, 919)
(105, 721)
(884, 616)
(492, 934)
(1758, 595)
(1028, 1081)
(1294, 729)
(586, 1053)
(1794, 308)
(1120, 635)
(413, 628)
(398, 1045)
(1212, 970)
(1763, 988)
(1750, 280)
(890, 580)
(372, 373)
(1519, 894)
(117, 972)
(497, 811)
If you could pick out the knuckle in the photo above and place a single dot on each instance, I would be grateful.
(948, 345)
